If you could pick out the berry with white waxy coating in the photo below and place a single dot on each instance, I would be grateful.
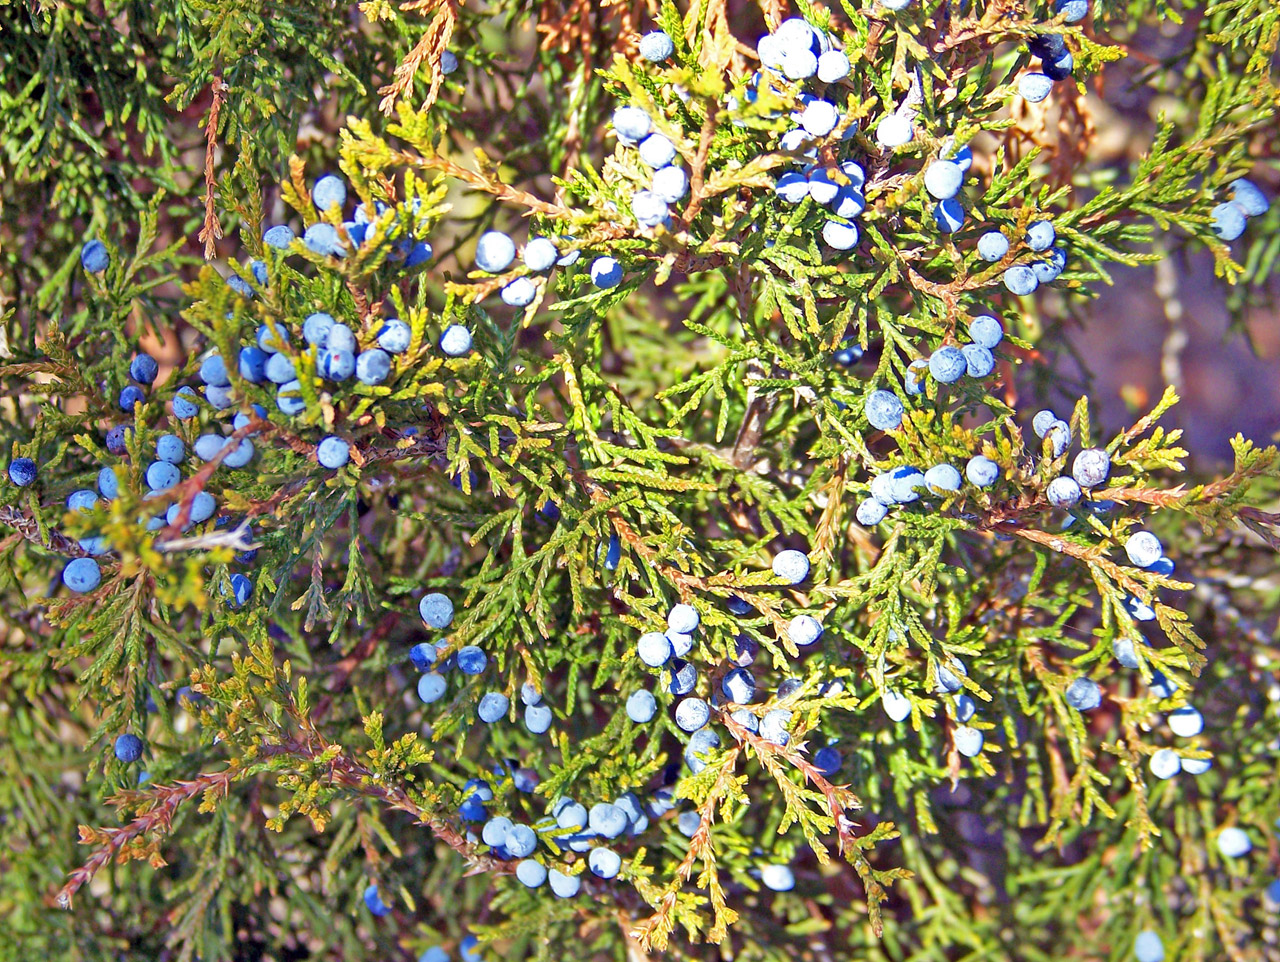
(883, 410)
(804, 630)
(1062, 492)
(1042, 421)
(739, 686)
(494, 252)
(1083, 694)
(537, 718)
(773, 726)
(607, 819)
(1144, 549)
(819, 117)
(968, 740)
(657, 151)
(436, 610)
(894, 131)
(942, 179)
(684, 677)
(778, 878)
(540, 254)
(791, 566)
(531, 873)
(1148, 947)
(520, 292)
(632, 123)
(1165, 763)
(393, 337)
(564, 886)
(1234, 842)
(1246, 195)
(81, 575)
(833, 66)
(161, 475)
(896, 705)
(670, 184)
(947, 364)
(1040, 235)
(1091, 467)
(455, 341)
(838, 236)
(329, 191)
(520, 841)
(992, 246)
(94, 257)
(280, 369)
(333, 452)
(692, 714)
(1227, 221)
(641, 706)
(1034, 87)
(656, 46)
(979, 362)
(792, 187)
(871, 512)
(654, 649)
(1020, 280)
(492, 707)
(606, 272)
(986, 331)
(683, 618)
(144, 369)
(604, 863)
(981, 471)
(323, 239)
(1186, 722)
(949, 216)
(942, 477)
(472, 660)
(1058, 436)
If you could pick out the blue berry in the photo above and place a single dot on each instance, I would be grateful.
(1048, 271)
(144, 369)
(792, 187)
(1073, 11)
(280, 368)
(521, 841)
(883, 410)
(641, 707)
(455, 341)
(838, 236)
(1091, 467)
(819, 117)
(253, 363)
(1165, 763)
(896, 705)
(423, 655)
(162, 475)
(1034, 87)
(692, 714)
(239, 591)
(471, 660)
(340, 338)
(108, 483)
(1020, 280)
(606, 272)
(942, 477)
(1040, 235)
(82, 500)
(1228, 221)
(537, 718)
(1083, 694)
(531, 873)
(684, 677)
(22, 472)
(942, 179)
(94, 257)
(982, 472)
(117, 439)
(992, 246)
(323, 239)
(656, 46)
(520, 292)
(1144, 549)
(185, 405)
(239, 285)
(393, 337)
(791, 566)
(607, 819)
(894, 131)
(373, 902)
(986, 331)
(1063, 492)
(1186, 722)
(372, 366)
(495, 831)
(688, 823)
(804, 630)
(329, 191)
(739, 686)
(130, 397)
(1148, 947)
(492, 707)
(540, 255)
(871, 512)
(604, 863)
(968, 741)
(436, 610)
(773, 726)
(1234, 842)
(947, 364)
(966, 708)
(280, 237)
(833, 66)
(649, 209)
(683, 618)
(631, 123)
(1043, 421)
(431, 687)
(289, 399)
(333, 452)
(334, 365)
(1251, 201)
(271, 337)
(81, 575)
(315, 329)
(657, 151)
(613, 554)
(949, 216)
(777, 878)
(564, 886)
(827, 760)
(218, 396)
(979, 362)
(214, 371)
(128, 748)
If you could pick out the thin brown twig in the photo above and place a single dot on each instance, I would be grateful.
(212, 230)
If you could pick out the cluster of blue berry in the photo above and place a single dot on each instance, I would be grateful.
(1230, 219)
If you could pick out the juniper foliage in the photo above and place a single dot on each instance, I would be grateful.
(600, 455)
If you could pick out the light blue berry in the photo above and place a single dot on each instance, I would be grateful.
(942, 477)
(804, 630)
(949, 216)
(1083, 694)
(315, 329)
(333, 452)
(657, 151)
(1040, 235)
(947, 364)
(656, 46)
(329, 191)
(606, 272)
(1034, 87)
(1228, 221)
(833, 66)
(631, 123)
(1063, 492)
(791, 566)
(1246, 195)
(692, 714)
(94, 257)
(884, 410)
(494, 252)
(871, 512)
(982, 472)
(979, 362)
(1020, 280)
(992, 246)
(986, 331)
(540, 254)
(82, 574)
(641, 707)
(942, 179)
(493, 706)
(280, 236)
(455, 341)
(436, 610)
(968, 741)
